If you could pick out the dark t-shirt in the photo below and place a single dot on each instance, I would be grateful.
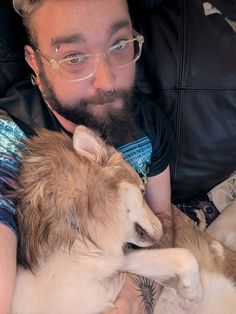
(150, 153)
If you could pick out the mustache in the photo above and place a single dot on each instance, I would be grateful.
(102, 98)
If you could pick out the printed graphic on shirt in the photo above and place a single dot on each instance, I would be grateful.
(11, 141)
(138, 155)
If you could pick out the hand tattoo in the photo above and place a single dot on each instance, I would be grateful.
(148, 293)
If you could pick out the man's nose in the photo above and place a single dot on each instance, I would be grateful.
(103, 76)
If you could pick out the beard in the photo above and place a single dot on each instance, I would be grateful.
(116, 126)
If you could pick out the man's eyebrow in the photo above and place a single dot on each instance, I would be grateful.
(119, 25)
(79, 38)
(67, 39)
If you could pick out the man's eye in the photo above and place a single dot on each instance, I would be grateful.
(75, 59)
(119, 46)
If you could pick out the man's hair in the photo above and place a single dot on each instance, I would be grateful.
(26, 9)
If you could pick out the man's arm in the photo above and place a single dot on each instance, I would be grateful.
(158, 197)
(7, 267)
(11, 141)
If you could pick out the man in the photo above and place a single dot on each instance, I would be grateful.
(83, 55)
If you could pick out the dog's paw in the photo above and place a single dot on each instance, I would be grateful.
(185, 304)
(190, 288)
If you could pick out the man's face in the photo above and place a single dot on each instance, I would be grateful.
(64, 27)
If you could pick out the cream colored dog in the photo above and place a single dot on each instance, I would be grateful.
(77, 208)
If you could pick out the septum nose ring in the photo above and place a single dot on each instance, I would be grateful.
(109, 91)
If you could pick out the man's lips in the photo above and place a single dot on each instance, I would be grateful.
(101, 108)
(101, 105)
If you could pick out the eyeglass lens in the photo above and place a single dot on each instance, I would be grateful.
(82, 66)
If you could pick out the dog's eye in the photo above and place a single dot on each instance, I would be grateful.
(142, 191)
(140, 231)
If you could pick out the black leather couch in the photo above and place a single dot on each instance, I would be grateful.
(189, 62)
(188, 66)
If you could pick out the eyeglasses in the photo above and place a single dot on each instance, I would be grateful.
(78, 67)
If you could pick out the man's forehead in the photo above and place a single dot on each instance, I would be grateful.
(70, 20)
(81, 7)
(78, 37)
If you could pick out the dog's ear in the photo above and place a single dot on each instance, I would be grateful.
(89, 144)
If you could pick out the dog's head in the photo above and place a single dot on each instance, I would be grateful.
(80, 190)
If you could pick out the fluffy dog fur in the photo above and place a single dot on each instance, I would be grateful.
(77, 208)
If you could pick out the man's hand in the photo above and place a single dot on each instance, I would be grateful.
(158, 197)
(138, 296)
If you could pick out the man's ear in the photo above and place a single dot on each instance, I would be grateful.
(31, 59)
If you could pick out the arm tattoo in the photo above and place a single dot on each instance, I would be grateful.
(147, 290)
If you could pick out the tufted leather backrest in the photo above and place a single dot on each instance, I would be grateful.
(189, 61)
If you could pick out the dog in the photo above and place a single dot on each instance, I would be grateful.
(78, 205)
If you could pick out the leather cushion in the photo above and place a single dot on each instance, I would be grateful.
(190, 66)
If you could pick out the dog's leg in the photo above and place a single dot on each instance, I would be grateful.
(163, 264)
(223, 228)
